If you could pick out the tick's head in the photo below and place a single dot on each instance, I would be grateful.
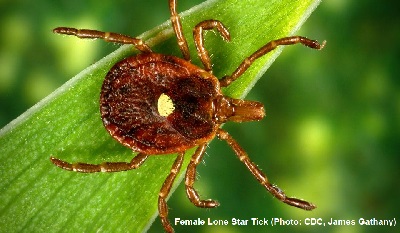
(237, 110)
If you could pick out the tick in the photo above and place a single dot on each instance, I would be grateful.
(160, 104)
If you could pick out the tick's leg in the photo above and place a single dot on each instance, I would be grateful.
(107, 36)
(199, 40)
(225, 81)
(274, 190)
(103, 167)
(191, 177)
(162, 203)
(177, 25)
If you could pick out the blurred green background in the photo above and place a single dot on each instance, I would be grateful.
(332, 127)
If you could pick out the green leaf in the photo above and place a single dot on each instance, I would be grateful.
(36, 196)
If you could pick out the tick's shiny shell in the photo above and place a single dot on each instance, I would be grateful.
(129, 103)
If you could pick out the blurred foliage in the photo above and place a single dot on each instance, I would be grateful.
(332, 127)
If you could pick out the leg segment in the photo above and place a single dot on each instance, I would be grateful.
(225, 81)
(199, 40)
(274, 190)
(103, 167)
(107, 36)
(162, 203)
(191, 177)
(177, 25)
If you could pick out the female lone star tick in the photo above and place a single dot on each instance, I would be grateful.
(160, 104)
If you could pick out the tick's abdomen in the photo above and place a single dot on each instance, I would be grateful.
(130, 103)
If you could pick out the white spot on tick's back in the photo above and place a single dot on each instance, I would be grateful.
(165, 106)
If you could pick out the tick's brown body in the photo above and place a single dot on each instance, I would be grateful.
(129, 103)
(129, 110)
(134, 114)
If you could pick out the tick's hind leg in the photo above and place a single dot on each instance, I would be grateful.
(165, 189)
(107, 36)
(191, 177)
(261, 177)
(103, 167)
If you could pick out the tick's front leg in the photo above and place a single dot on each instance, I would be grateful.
(246, 63)
(260, 176)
